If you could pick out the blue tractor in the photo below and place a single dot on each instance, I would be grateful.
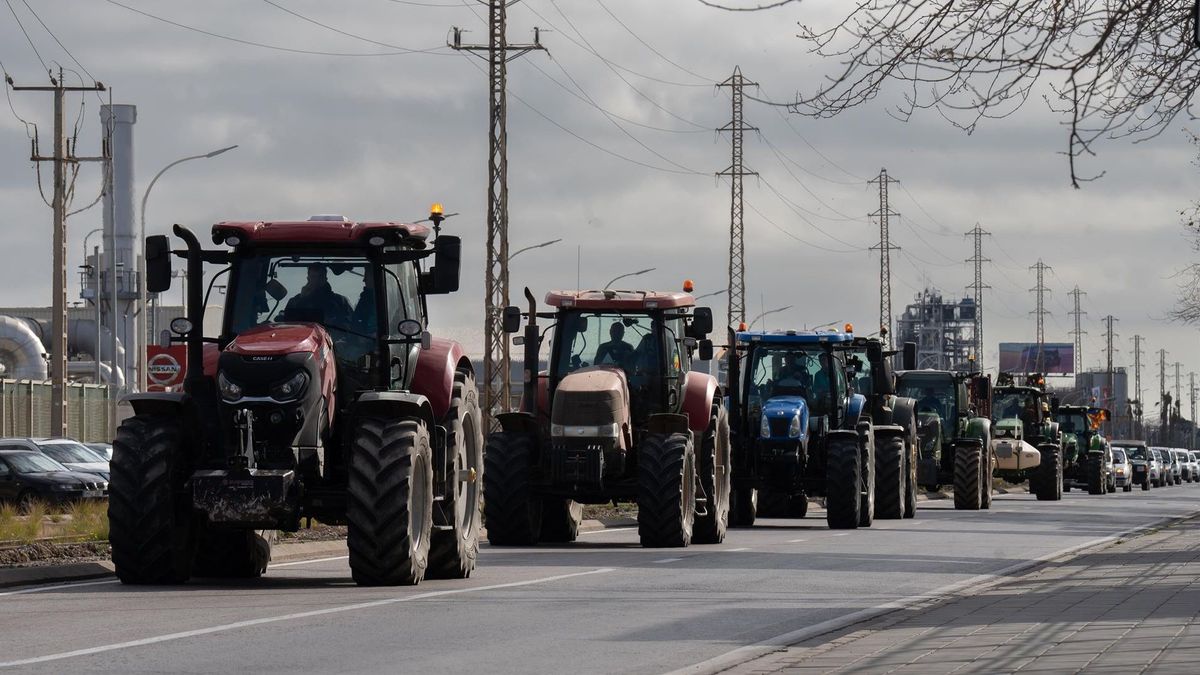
(797, 427)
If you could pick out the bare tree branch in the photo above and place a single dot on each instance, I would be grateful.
(1114, 68)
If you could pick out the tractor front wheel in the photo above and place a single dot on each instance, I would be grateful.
(453, 550)
(389, 501)
(1095, 475)
(1050, 474)
(890, 484)
(866, 485)
(967, 458)
(666, 490)
(743, 507)
(842, 483)
(512, 513)
(151, 527)
(985, 478)
(912, 453)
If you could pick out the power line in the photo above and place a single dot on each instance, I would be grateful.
(55, 38)
(27, 38)
(707, 80)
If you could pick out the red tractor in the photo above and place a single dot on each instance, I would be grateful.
(323, 396)
(618, 417)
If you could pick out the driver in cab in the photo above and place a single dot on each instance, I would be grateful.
(793, 377)
(616, 351)
(317, 300)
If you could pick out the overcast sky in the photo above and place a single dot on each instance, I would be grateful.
(611, 148)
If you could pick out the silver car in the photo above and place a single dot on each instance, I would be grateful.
(1184, 461)
(1176, 468)
(1194, 455)
(1140, 462)
(1122, 469)
(1158, 470)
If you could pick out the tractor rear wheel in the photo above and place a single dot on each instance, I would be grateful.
(890, 484)
(389, 501)
(1050, 474)
(712, 464)
(151, 527)
(1095, 475)
(512, 513)
(842, 483)
(866, 485)
(453, 551)
(985, 478)
(666, 490)
(967, 458)
(911, 454)
(233, 554)
(560, 520)
(743, 507)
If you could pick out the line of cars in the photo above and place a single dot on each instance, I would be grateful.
(1135, 463)
(51, 470)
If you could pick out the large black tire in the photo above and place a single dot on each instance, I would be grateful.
(389, 497)
(1050, 474)
(666, 490)
(712, 464)
(1095, 475)
(842, 476)
(985, 477)
(233, 554)
(866, 485)
(512, 513)
(890, 477)
(151, 526)
(743, 507)
(453, 551)
(967, 458)
(560, 520)
(911, 457)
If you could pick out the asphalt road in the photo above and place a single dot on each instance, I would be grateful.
(601, 605)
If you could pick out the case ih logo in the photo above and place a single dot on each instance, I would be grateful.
(262, 358)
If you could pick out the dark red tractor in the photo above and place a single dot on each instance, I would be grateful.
(322, 396)
(619, 416)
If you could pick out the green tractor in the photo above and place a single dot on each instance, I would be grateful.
(1087, 455)
(1027, 440)
(955, 432)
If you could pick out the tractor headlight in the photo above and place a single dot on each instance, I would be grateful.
(290, 388)
(764, 429)
(794, 427)
(229, 390)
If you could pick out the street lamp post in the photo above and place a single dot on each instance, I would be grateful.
(769, 311)
(140, 342)
(630, 274)
(709, 295)
(529, 248)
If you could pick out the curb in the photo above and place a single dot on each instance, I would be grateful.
(949, 593)
(286, 552)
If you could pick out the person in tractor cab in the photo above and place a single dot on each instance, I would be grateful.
(616, 351)
(793, 377)
(317, 301)
(930, 402)
(364, 314)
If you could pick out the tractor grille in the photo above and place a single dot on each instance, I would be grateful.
(779, 426)
(581, 462)
(588, 408)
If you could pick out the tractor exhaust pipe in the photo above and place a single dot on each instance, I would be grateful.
(530, 393)
(195, 309)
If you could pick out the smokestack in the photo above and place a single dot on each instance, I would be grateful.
(120, 238)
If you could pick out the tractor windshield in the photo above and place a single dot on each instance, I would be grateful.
(934, 395)
(644, 346)
(1073, 423)
(807, 371)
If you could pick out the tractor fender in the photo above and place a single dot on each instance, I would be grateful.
(433, 377)
(396, 404)
(699, 391)
(855, 408)
(845, 434)
(669, 423)
(518, 422)
(904, 412)
(165, 403)
(890, 431)
(980, 428)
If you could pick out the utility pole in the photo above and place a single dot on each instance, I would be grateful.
(735, 172)
(1178, 399)
(885, 249)
(1078, 333)
(1192, 390)
(977, 289)
(1164, 399)
(1041, 311)
(496, 388)
(63, 155)
(1110, 396)
(1137, 380)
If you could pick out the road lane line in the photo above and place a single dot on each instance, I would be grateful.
(58, 587)
(308, 562)
(796, 541)
(607, 530)
(169, 637)
(841, 534)
(735, 550)
(664, 561)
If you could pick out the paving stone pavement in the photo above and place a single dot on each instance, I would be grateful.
(1130, 607)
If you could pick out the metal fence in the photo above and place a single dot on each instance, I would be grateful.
(25, 410)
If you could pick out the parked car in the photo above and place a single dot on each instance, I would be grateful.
(1122, 469)
(1158, 470)
(26, 476)
(1184, 461)
(1140, 463)
(102, 449)
(1194, 457)
(1176, 469)
(72, 454)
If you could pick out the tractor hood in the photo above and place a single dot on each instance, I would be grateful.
(784, 417)
(276, 339)
(591, 397)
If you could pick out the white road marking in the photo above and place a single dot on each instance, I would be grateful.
(664, 561)
(57, 587)
(841, 534)
(796, 541)
(607, 530)
(735, 550)
(308, 562)
(291, 617)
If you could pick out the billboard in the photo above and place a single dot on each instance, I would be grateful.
(1058, 358)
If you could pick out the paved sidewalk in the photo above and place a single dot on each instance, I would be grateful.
(1128, 608)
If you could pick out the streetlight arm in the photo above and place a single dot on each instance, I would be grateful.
(631, 274)
(530, 248)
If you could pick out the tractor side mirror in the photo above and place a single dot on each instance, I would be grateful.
(443, 277)
(705, 350)
(276, 290)
(909, 359)
(512, 319)
(702, 322)
(874, 352)
(158, 263)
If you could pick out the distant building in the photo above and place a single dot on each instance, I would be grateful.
(943, 330)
